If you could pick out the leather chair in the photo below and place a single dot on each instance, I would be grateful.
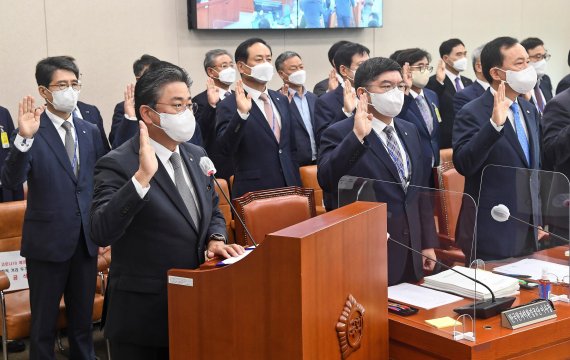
(267, 211)
(309, 181)
(225, 208)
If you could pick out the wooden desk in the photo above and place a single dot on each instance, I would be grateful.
(412, 338)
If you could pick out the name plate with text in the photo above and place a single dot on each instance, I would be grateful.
(528, 314)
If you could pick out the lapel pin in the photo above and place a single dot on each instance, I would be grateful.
(277, 98)
(528, 112)
(84, 132)
(405, 133)
(191, 159)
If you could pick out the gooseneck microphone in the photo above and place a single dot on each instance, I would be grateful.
(208, 169)
(482, 309)
(501, 213)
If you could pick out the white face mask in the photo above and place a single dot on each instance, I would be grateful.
(227, 76)
(262, 72)
(298, 77)
(460, 64)
(420, 79)
(521, 81)
(540, 67)
(389, 103)
(178, 127)
(65, 100)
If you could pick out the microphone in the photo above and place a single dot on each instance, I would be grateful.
(501, 213)
(208, 169)
(482, 309)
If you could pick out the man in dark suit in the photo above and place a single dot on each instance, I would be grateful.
(542, 92)
(340, 103)
(254, 125)
(56, 153)
(330, 83)
(220, 68)
(374, 144)
(565, 82)
(290, 68)
(421, 104)
(157, 209)
(446, 82)
(6, 130)
(90, 113)
(497, 148)
(473, 91)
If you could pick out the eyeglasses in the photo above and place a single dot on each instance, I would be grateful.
(63, 85)
(389, 87)
(538, 57)
(226, 65)
(422, 68)
(180, 108)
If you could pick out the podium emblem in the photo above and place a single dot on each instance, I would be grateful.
(350, 327)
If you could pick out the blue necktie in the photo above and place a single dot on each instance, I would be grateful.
(396, 155)
(520, 132)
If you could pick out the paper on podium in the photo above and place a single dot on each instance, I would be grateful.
(533, 268)
(420, 296)
(235, 259)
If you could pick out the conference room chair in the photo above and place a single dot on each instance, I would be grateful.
(309, 181)
(225, 207)
(267, 211)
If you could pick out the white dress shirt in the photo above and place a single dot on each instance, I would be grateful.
(484, 84)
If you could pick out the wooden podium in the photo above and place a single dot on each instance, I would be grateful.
(315, 290)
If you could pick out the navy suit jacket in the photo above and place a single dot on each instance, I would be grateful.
(8, 127)
(328, 110)
(259, 161)
(477, 144)
(59, 204)
(149, 236)
(411, 113)
(321, 87)
(91, 113)
(546, 87)
(303, 141)
(464, 96)
(118, 117)
(563, 84)
(410, 213)
(445, 93)
(556, 125)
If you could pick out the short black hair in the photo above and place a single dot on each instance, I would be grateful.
(447, 46)
(46, 67)
(283, 57)
(242, 51)
(149, 87)
(344, 54)
(395, 54)
(372, 68)
(411, 56)
(140, 64)
(211, 56)
(334, 48)
(531, 42)
(492, 55)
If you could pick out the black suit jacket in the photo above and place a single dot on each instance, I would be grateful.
(321, 87)
(464, 96)
(546, 87)
(118, 117)
(446, 92)
(8, 127)
(259, 161)
(563, 84)
(91, 113)
(328, 110)
(410, 214)
(556, 125)
(149, 236)
(303, 140)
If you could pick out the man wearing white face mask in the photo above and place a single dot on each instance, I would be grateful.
(220, 68)
(473, 91)
(157, 209)
(254, 125)
(500, 128)
(56, 152)
(301, 104)
(446, 82)
(375, 144)
(542, 91)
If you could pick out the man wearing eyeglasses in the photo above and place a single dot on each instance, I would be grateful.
(542, 92)
(56, 153)
(375, 144)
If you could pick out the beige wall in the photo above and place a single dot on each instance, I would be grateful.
(106, 36)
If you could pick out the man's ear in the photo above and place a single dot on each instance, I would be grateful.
(495, 74)
(146, 114)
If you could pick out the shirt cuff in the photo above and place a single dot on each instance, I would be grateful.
(140, 190)
(22, 143)
(497, 127)
(243, 116)
(348, 114)
(131, 118)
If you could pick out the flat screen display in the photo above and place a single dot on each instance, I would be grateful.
(284, 14)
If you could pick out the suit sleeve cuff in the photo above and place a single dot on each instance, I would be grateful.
(22, 143)
(131, 118)
(140, 190)
(499, 128)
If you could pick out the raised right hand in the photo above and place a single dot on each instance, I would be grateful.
(362, 119)
(130, 101)
(148, 163)
(500, 106)
(440, 72)
(333, 81)
(349, 97)
(28, 117)
(243, 102)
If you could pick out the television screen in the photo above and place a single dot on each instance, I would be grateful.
(284, 14)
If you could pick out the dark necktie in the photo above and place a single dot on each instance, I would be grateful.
(458, 84)
(395, 154)
(184, 189)
(538, 96)
(70, 146)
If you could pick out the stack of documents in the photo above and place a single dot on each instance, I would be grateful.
(533, 268)
(455, 283)
(420, 297)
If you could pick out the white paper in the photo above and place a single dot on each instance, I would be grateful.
(533, 267)
(235, 259)
(15, 268)
(420, 296)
